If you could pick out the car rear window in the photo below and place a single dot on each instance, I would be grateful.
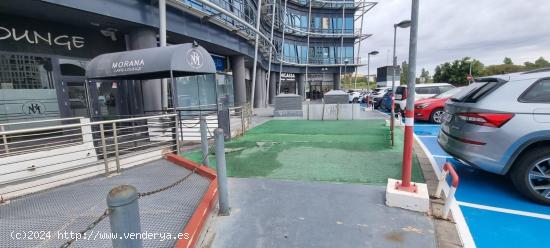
(539, 92)
(477, 90)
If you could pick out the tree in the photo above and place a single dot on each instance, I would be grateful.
(456, 72)
(539, 63)
(424, 76)
(508, 61)
(404, 72)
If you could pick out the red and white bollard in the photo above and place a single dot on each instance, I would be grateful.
(447, 169)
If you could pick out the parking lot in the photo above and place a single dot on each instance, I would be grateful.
(495, 213)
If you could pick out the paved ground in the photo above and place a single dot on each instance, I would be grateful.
(336, 151)
(495, 213)
(279, 213)
(75, 206)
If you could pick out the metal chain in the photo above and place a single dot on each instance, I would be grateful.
(192, 125)
(141, 195)
(92, 225)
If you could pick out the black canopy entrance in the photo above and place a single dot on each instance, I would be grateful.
(152, 63)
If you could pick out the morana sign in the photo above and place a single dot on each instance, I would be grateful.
(128, 65)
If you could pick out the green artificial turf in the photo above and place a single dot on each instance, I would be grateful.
(336, 151)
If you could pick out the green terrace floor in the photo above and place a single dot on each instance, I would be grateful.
(335, 151)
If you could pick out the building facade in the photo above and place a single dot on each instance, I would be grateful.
(303, 47)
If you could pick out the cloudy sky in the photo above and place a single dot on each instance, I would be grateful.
(488, 30)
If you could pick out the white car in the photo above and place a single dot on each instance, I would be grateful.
(355, 97)
(377, 94)
(422, 91)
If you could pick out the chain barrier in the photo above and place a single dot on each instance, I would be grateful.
(141, 195)
(92, 225)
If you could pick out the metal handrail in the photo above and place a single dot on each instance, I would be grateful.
(40, 121)
(40, 129)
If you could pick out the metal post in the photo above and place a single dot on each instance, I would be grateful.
(307, 52)
(392, 119)
(124, 218)
(5, 140)
(221, 172)
(282, 50)
(342, 43)
(368, 75)
(405, 184)
(162, 39)
(270, 52)
(470, 74)
(204, 140)
(115, 141)
(254, 64)
(104, 148)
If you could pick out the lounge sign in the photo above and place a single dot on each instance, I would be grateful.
(32, 36)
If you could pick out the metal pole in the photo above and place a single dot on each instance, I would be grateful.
(162, 38)
(405, 184)
(115, 140)
(392, 119)
(204, 140)
(104, 148)
(221, 172)
(124, 218)
(368, 74)
(270, 53)
(359, 47)
(282, 52)
(342, 44)
(5, 140)
(307, 52)
(258, 17)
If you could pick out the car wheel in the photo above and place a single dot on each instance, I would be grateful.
(436, 115)
(531, 174)
(355, 100)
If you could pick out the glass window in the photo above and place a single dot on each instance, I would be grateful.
(445, 88)
(25, 72)
(72, 67)
(537, 93)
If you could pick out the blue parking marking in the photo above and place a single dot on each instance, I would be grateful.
(501, 227)
(495, 229)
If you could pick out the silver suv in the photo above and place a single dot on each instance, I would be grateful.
(501, 124)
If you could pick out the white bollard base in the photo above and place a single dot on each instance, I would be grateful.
(416, 201)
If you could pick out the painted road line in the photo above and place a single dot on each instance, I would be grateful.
(505, 210)
(441, 156)
(461, 225)
(427, 136)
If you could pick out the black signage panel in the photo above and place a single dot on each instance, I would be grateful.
(34, 36)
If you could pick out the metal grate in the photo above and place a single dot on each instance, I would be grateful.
(73, 207)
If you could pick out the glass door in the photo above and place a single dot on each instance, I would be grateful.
(78, 100)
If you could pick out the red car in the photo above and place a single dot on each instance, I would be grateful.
(432, 109)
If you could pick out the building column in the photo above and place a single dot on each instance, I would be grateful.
(272, 86)
(140, 39)
(300, 83)
(337, 80)
(239, 83)
(258, 88)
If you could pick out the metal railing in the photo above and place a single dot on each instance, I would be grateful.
(38, 158)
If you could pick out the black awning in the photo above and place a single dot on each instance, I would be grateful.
(151, 63)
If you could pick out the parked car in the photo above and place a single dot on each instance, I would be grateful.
(377, 94)
(501, 124)
(422, 91)
(354, 96)
(432, 109)
(386, 101)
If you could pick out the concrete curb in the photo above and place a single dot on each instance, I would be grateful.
(194, 229)
(447, 235)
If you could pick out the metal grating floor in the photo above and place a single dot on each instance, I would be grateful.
(73, 207)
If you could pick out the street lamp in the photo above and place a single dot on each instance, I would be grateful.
(402, 24)
(368, 68)
(346, 69)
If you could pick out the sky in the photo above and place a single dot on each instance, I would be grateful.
(487, 30)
